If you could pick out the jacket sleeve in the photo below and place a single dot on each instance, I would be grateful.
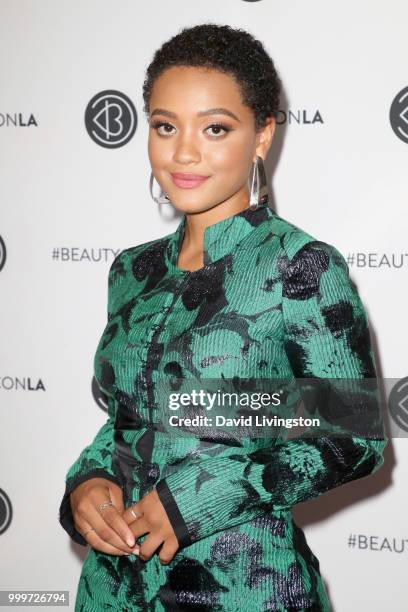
(95, 461)
(326, 336)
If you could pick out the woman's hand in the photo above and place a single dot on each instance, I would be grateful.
(152, 519)
(111, 533)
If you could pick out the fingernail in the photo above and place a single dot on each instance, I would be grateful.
(136, 550)
(130, 541)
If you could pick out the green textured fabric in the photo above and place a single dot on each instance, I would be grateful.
(270, 302)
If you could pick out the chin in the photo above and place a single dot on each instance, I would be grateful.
(191, 205)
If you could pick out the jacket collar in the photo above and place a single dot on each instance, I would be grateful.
(221, 238)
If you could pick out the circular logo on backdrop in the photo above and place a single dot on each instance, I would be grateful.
(6, 511)
(399, 114)
(111, 119)
(398, 403)
(3, 253)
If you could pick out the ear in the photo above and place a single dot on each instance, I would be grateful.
(264, 137)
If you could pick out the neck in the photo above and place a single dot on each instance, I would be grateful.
(196, 223)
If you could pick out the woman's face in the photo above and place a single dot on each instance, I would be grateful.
(199, 126)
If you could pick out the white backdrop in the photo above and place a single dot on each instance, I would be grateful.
(69, 205)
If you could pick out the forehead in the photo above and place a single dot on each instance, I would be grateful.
(197, 88)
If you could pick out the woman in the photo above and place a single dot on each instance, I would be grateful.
(204, 521)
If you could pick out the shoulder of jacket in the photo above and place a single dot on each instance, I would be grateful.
(130, 252)
(122, 261)
(295, 240)
(138, 248)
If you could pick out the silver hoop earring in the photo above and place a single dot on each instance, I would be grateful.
(258, 188)
(161, 197)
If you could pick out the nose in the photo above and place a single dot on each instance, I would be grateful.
(186, 151)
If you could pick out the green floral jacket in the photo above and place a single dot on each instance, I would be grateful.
(270, 302)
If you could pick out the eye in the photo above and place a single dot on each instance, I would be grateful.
(164, 128)
(162, 124)
(219, 129)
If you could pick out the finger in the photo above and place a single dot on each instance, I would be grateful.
(91, 537)
(116, 495)
(81, 525)
(168, 550)
(132, 513)
(151, 543)
(113, 516)
(96, 542)
(139, 527)
(101, 521)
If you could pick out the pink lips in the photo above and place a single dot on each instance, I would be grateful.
(187, 180)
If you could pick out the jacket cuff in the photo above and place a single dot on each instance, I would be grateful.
(173, 512)
(66, 518)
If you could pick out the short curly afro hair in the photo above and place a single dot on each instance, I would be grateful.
(232, 51)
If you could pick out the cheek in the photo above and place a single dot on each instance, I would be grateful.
(229, 164)
(233, 155)
(158, 153)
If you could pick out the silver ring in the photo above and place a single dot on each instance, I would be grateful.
(86, 532)
(105, 505)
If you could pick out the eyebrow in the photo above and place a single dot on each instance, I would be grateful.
(209, 111)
